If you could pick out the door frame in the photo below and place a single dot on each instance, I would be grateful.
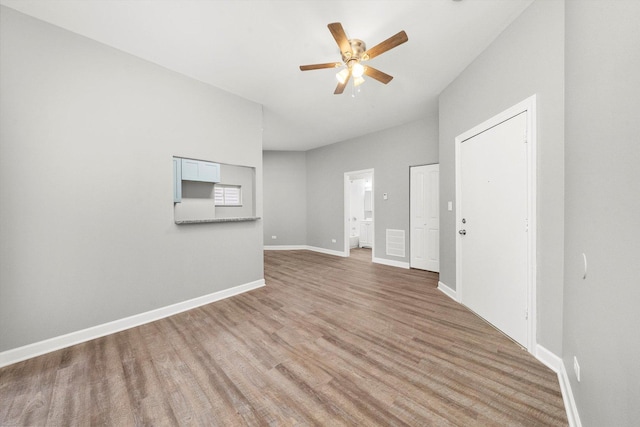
(347, 210)
(411, 213)
(529, 107)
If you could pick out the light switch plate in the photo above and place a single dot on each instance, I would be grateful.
(450, 206)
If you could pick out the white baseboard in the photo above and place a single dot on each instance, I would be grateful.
(448, 291)
(326, 251)
(285, 247)
(36, 349)
(569, 401)
(305, 248)
(556, 364)
(336, 253)
(548, 358)
(391, 262)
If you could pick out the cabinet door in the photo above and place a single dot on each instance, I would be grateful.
(209, 172)
(365, 233)
(197, 170)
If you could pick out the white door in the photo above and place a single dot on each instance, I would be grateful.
(493, 225)
(425, 217)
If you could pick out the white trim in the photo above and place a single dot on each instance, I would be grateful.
(549, 359)
(532, 180)
(528, 106)
(384, 261)
(569, 401)
(391, 262)
(447, 291)
(556, 364)
(285, 247)
(36, 349)
(327, 251)
(305, 248)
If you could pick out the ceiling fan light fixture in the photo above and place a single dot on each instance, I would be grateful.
(342, 75)
(353, 52)
(357, 70)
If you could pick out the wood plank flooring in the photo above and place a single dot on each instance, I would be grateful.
(329, 341)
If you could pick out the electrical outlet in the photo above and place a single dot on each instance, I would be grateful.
(333, 240)
(274, 237)
(576, 368)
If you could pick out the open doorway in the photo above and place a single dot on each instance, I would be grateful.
(359, 212)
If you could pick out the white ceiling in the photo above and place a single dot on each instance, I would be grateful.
(253, 48)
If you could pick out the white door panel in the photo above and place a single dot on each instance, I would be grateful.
(425, 219)
(493, 208)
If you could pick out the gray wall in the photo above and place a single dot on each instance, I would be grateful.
(285, 197)
(526, 59)
(389, 153)
(601, 314)
(87, 135)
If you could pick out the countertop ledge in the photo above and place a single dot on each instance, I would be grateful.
(212, 220)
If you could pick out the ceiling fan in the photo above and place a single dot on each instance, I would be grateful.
(354, 51)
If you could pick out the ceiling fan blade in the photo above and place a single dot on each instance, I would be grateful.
(377, 74)
(320, 66)
(341, 86)
(386, 45)
(341, 38)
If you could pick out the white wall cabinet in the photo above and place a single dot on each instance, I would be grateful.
(192, 170)
(198, 170)
(366, 234)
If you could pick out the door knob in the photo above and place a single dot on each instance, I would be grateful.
(463, 232)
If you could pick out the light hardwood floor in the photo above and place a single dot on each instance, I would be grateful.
(329, 341)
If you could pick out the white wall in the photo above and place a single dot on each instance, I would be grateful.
(526, 59)
(87, 134)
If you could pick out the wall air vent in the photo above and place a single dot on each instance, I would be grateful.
(395, 243)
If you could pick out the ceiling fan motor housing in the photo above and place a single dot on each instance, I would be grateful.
(358, 48)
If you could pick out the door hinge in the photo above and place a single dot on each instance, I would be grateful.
(525, 136)
(526, 225)
(526, 314)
